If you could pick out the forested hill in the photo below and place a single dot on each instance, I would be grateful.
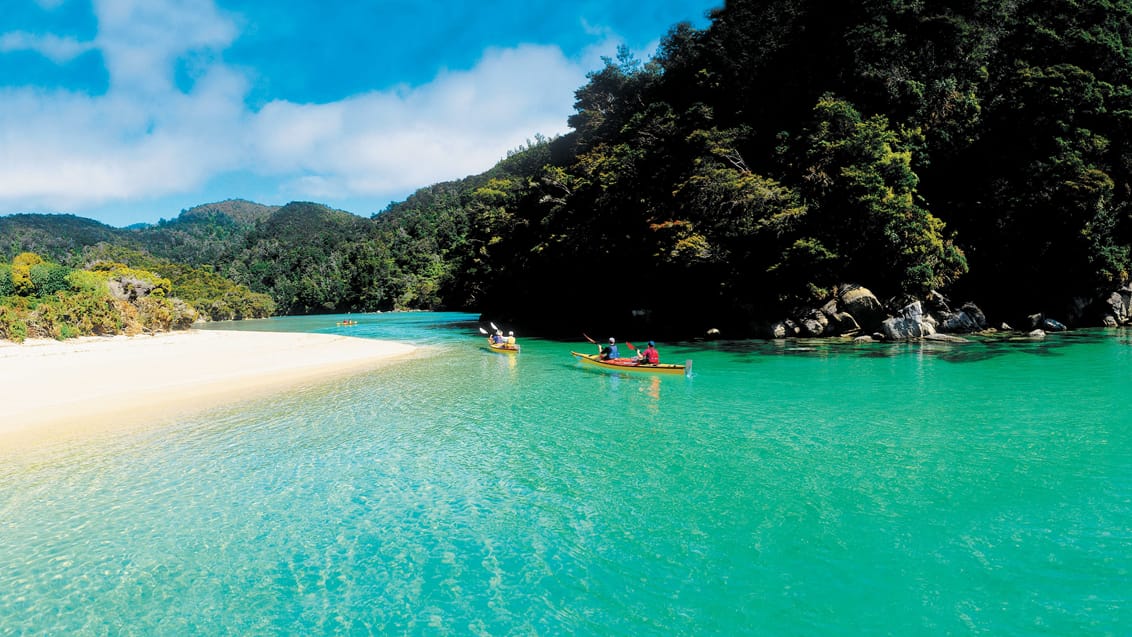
(981, 149)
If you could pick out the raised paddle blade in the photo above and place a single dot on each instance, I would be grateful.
(586, 336)
(483, 331)
(493, 326)
(630, 346)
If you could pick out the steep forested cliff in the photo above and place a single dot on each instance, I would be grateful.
(976, 147)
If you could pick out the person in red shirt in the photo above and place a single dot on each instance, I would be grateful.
(649, 355)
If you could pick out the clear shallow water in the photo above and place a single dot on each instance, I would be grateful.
(784, 489)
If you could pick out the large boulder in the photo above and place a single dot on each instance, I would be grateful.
(842, 324)
(813, 323)
(860, 303)
(975, 314)
(129, 288)
(1116, 307)
(1052, 325)
(957, 323)
(910, 324)
(784, 329)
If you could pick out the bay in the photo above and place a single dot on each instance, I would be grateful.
(784, 488)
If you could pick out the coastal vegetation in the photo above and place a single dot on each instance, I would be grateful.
(48, 300)
(978, 151)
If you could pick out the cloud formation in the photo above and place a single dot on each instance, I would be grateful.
(175, 116)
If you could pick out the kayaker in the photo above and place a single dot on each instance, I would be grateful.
(497, 337)
(609, 352)
(648, 355)
(511, 338)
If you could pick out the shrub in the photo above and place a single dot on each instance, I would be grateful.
(12, 325)
(49, 278)
(155, 313)
(7, 288)
(91, 313)
(87, 281)
(44, 321)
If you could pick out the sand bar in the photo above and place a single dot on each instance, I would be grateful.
(90, 382)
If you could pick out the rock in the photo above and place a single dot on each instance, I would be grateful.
(1050, 325)
(128, 288)
(1005, 327)
(784, 329)
(1117, 308)
(958, 323)
(1110, 321)
(713, 333)
(1035, 320)
(842, 323)
(907, 326)
(900, 329)
(937, 303)
(864, 339)
(811, 328)
(813, 323)
(911, 323)
(862, 305)
(975, 314)
(1036, 334)
(946, 338)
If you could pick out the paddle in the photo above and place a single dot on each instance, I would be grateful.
(483, 331)
(493, 326)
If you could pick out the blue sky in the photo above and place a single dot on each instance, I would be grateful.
(129, 111)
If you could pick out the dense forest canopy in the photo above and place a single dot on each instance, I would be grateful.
(979, 148)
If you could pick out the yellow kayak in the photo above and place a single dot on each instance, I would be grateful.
(629, 365)
(503, 347)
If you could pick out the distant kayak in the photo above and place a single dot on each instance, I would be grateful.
(628, 364)
(503, 347)
(347, 323)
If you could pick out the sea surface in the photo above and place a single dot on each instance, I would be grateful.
(784, 488)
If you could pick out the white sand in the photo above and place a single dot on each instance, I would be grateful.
(92, 382)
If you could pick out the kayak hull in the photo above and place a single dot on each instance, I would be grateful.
(628, 365)
(503, 348)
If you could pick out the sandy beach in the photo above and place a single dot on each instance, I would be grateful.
(53, 386)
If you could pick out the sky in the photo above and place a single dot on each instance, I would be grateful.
(130, 111)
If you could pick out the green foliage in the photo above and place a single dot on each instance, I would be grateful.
(858, 178)
(7, 285)
(13, 326)
(49, 278)
(58, 238)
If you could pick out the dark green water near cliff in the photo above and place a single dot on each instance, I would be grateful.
(783, 489)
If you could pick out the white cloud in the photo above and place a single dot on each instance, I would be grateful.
(459, 124)
(57, 49)
(144, 138)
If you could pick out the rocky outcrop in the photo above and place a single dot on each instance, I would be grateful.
(909, 324)
(1046, 324)
(853, 311)
(861, 304)
(1117, 307)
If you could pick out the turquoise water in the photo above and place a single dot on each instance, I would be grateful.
(784, 489)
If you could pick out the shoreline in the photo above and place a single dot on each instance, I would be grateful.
(94, 383)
